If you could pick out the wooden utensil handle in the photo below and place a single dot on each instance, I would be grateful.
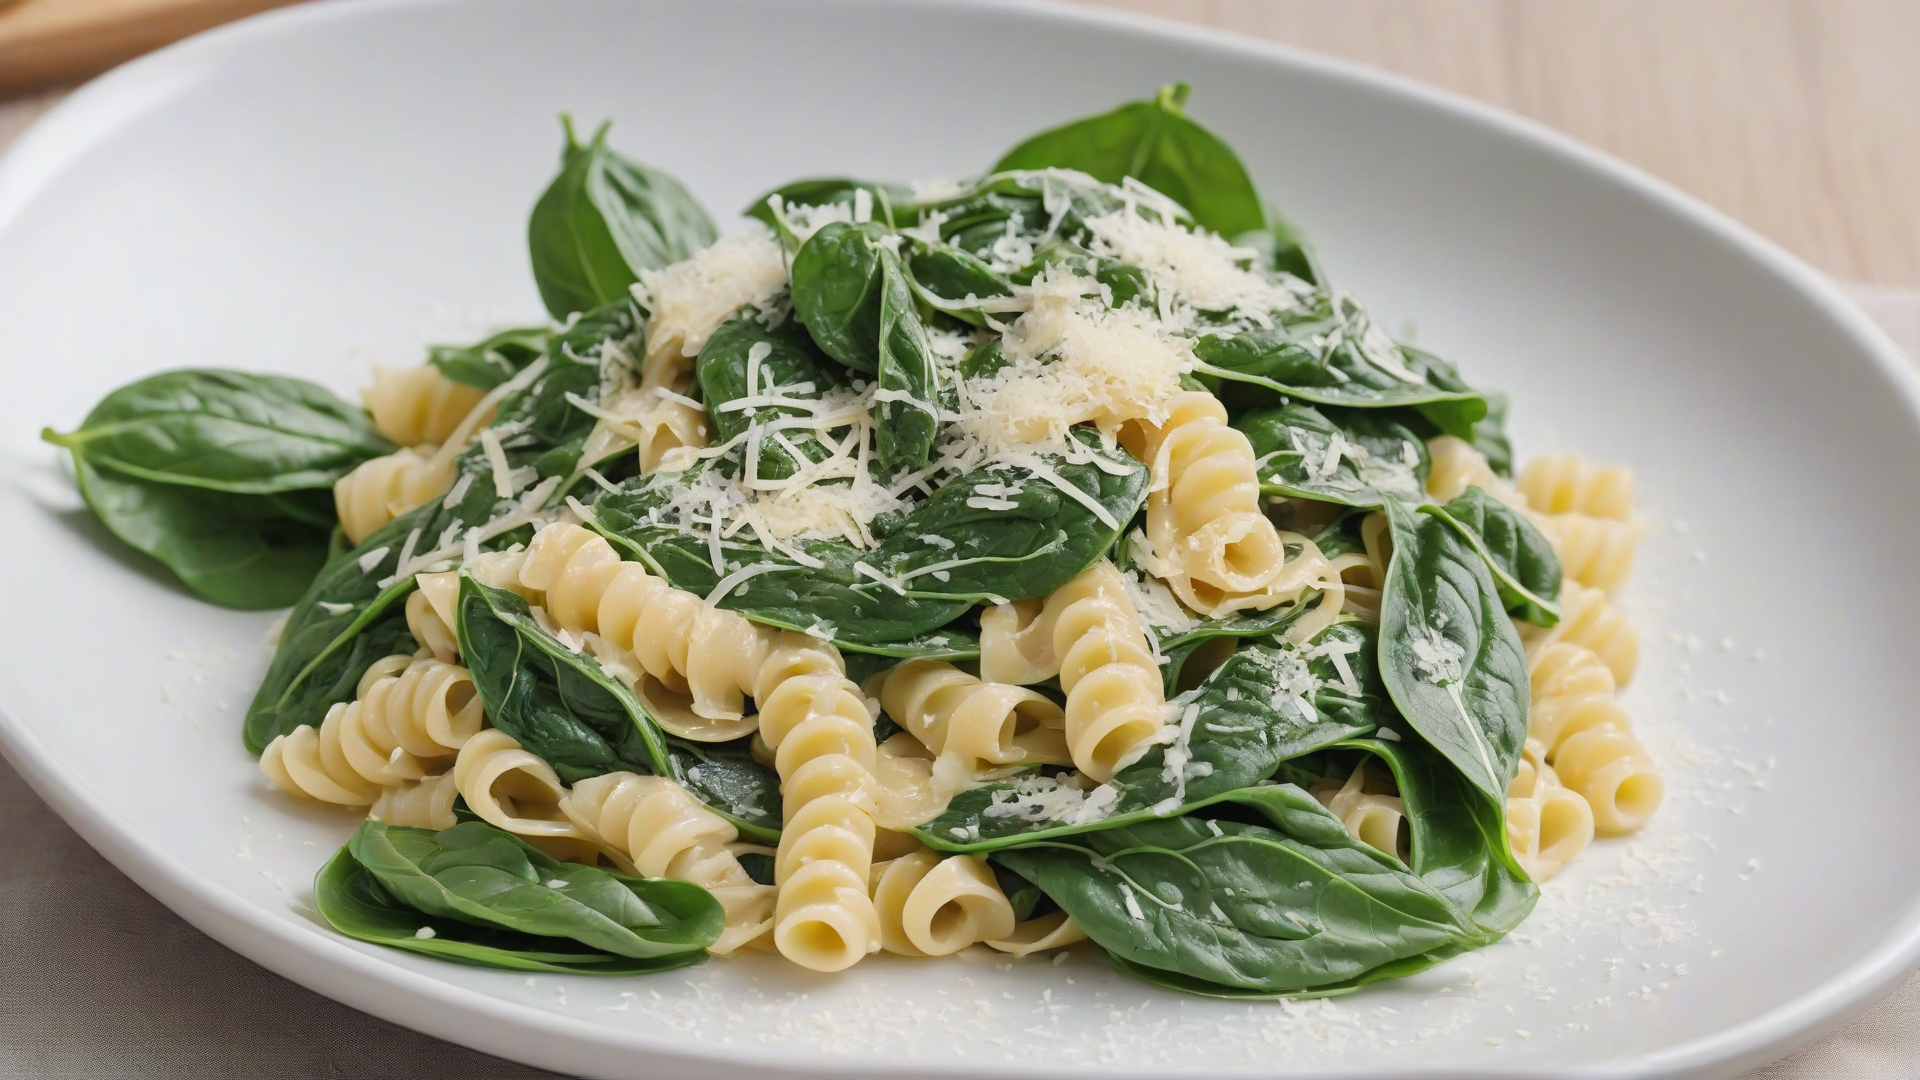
(47, 42)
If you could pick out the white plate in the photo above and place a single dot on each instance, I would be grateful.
(318, 189)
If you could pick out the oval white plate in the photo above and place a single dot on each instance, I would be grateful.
(316, 190)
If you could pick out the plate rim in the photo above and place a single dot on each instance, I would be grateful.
(443, 1009)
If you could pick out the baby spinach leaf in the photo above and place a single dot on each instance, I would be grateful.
(230, 431)
(1187, 984)
(955, 281)
(241, 551)
(1450, 657)
(1330, 352)
(491, 361)
(604, 219)
(1490, 435)
(478, 874)
(1283, 248)
(1265, 705)
(354, 902)
(888, 199)
(564, 707)
(1294, 906)
(1155, 143)
(1458, 836)
(1006, 532)
(1354, 457)
(784, 358)
(1524, 567)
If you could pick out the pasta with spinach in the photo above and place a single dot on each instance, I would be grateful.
(1002, 563)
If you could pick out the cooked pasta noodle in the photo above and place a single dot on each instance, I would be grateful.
(417, 405)
(1042, 933)
(1594, 551)
(1089, 635)
(647, 421)
(974, 725)
(409, 715)
(1547, 825)
(426, 803)
(512, 788)
(1570, 484)
(934, 906)
(1217, 551)
(1369, 805)
(381, 489)
(1582, 731)
(658, 829)
(1456, 466)
(1590, 620)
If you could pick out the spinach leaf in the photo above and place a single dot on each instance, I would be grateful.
(852, 294)
(1458, 836)
(562, 706)
(957, 282)
(603, 220)
(229, 431)
(492, 361)
(1265, 705)
(354, 902)
(783, 357)
(1354, 457)
(1449, 655)
(1330, 352)
(1155, 143)
(1525, 569)
(1006, 532)
(241, 551)
(1285, 249)
(830, 191)
(1490, 435)
(478, 874)
(1294, 906)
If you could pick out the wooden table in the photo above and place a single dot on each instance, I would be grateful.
(1799, 117)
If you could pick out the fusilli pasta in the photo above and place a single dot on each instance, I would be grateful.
(1368, 803)
(1585, 735)
(513, 788)
(933, 906)
(426, 803)
(971, 726)
(1570, 484)
(646, 420)
(381, 489)
(1089, 635)
(1590, 620)
(1595, 549)
(409, 715)
(657, 828)
(417, 405)
(1547, 825)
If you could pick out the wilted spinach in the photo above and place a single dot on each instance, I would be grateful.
(1524, 567)
(493, 360)
(1354, 457)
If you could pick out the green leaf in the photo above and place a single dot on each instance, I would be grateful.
(1329, 352)
(228, 431)
(1524, 567)
(830, 191)
(1292, 906)
(354, 902)
(562, 706)
(241, 551)
(1450, 657)
(1265, 705)
(1155, 143)
(790, 361)
(1284, 248)
(1354, 457)
(491, 361)
(955, 281)
(484, 876)
(1490, 435)
(982, 548)
(604, 219)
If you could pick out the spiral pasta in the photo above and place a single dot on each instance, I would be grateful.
(1454, 466)
(1087, 633)
(1596, 552)
(1569, 483)
(934, 906)
(1217, 551)
(381, 489)
(647, 420)
(657, 828)
(1368, 804)
(1583, 733)
(1547, 825)
(418, 404)
(409, 715)
(513, 788)
(1590, 620)
(971, 726)
(426, 803)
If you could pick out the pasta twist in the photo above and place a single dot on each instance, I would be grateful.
(1218, 552)
(656, 827)
(1368, 804)
(1454, 466)
(1547, 825)
(1590, 620)
(643, 418)
(1596, 552)
(821, 735)
(1087, 633)
(418, 404)
(1570, 484)
(512, 788)
(933, 906)
(1584, 734)
(974, 725)
(381, 489)
(409, 715)
(423, 804)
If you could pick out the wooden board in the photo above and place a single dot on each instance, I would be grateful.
(48, 42)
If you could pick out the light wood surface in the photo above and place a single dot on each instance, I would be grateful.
(1799, 117)
(52, 41)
